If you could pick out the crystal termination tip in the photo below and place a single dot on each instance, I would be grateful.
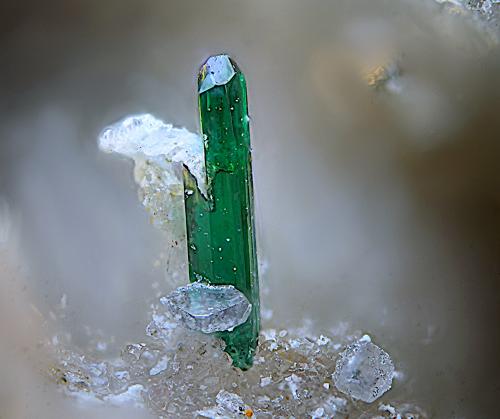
(218, 70)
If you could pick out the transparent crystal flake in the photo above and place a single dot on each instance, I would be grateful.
(229, 405)
(364, 371)
(208, 308)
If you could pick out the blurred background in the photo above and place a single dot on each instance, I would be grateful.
(376, 155)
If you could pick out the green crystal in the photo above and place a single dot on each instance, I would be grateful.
(220, 227)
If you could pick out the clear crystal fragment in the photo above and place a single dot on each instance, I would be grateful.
(229, 405)
(230, 401)
(208, 308)
(363, 371)
(336, 407)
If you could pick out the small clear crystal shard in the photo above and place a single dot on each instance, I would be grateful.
(363, 371)
(229, 405)
(208, 308)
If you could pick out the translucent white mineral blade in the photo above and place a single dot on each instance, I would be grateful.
(208, 308)
(159, 151)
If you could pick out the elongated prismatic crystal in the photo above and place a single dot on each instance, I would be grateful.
(220, 226)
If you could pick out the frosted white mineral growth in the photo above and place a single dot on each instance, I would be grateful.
(159, 152)
(364, 371)
(208, 308)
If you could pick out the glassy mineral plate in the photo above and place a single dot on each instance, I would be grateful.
(208, 308)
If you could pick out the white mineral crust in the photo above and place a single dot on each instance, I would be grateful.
(159, 152)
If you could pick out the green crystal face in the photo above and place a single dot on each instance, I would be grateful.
(220, 228)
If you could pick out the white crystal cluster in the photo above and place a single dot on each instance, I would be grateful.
(176, 373)
(159, 151)
(487, 7)
(208, 308)
(489, 10)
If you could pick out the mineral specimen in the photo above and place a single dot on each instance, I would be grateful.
(177, 373)
(207, 308)
(218, 200)
(220, 227)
